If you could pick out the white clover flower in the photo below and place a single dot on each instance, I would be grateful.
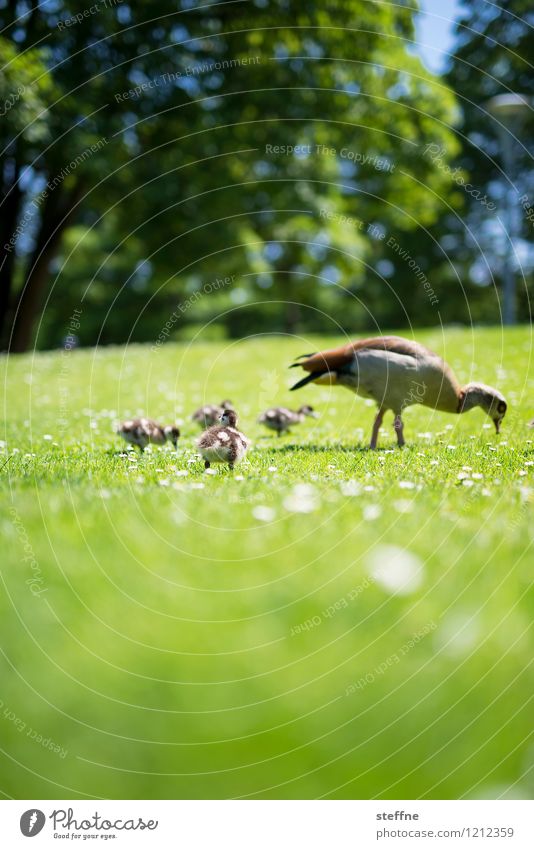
(372, 512)
(264, 514)
(403, 506)
(302, 499)
(458, 634)
(350, 488)
(396, 569)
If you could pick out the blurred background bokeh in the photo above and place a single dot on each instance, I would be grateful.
(308, 150)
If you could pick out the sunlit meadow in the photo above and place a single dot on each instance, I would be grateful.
(323, 622)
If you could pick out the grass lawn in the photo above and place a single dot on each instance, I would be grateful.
(171, 634)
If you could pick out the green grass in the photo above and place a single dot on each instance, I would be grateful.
(159, 644)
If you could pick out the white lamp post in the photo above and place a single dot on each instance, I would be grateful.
(507, 108)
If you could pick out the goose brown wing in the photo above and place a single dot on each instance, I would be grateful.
(335, 359)
(393, 344)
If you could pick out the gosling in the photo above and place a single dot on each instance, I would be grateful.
(223, 443)
(210, 414)
(280, 419)
(141, 432)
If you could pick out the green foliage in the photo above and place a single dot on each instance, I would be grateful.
(166, 654)
(194, 116)
(492, 57)
(285, 144)
(25, 92)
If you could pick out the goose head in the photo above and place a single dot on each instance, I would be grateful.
(486, 397)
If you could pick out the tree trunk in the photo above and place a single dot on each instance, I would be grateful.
(292, 317)
(11, 196)
(289, 291)
(56, 215)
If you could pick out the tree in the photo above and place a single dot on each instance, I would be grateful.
(25, 87)
(235, 138)
(492, 57)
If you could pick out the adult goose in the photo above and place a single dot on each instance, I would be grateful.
(397, 373)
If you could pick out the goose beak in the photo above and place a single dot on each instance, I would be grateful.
(497, 423)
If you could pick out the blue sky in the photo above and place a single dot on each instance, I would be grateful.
(435, 31)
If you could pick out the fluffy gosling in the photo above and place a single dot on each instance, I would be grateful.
(280, 419)
(223, 443)
(141, 432)
(210, 414)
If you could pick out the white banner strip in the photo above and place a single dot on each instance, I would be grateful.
(269, 824)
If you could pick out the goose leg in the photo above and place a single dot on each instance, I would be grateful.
(376, 427)
(397, 424)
